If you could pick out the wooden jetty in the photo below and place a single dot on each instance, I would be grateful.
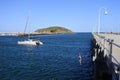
(106, 56)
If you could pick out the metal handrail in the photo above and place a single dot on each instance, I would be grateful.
(116, 45)
(115, 60)
(110, 41)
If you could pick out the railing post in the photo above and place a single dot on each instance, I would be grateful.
(104, 47)
(110, 56)
(119, 74)
(110, 53)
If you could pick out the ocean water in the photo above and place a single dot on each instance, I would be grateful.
(57, 59)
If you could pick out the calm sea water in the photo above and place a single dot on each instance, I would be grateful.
(57, 59)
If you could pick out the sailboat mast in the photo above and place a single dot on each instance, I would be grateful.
(27, 26)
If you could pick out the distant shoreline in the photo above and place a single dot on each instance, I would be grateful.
(26, 34)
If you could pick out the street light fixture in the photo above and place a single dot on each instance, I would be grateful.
(105, 13)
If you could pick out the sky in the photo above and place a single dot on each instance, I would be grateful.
(76, 15)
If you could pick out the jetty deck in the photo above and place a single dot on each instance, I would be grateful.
(115, 48)
(108, 45)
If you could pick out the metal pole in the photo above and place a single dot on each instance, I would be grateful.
(99, 17)
(99, 21)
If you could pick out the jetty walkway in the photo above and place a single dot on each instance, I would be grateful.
(106, 56)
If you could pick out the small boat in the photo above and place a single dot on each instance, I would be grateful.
(30, 42)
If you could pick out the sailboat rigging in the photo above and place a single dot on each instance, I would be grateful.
(29, 41)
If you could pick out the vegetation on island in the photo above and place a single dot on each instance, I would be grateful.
(53, 30)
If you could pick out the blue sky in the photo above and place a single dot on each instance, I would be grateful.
(76, 15)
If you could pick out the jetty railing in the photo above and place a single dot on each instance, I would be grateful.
(107, 46)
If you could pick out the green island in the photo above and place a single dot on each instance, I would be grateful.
(53, 30)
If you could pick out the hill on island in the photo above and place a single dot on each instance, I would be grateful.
(53, 30)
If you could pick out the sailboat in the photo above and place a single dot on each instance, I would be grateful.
(30, 41)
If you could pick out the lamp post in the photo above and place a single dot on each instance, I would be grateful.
(105, 13)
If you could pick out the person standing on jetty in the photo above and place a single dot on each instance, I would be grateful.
(80, 58)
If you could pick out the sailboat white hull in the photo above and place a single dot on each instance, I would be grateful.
(30, 42)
